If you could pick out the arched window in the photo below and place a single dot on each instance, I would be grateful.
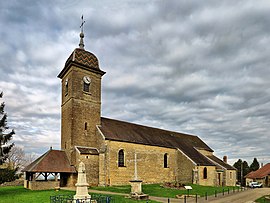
(165, 161)
(86, 87)
(121, 158)
(205, 173)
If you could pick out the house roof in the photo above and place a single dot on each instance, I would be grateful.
(220, 164)
(87, 150)
(260, 173)
(51, 161)
(133, 133)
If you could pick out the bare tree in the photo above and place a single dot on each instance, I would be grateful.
(16, 158)
(29, 158)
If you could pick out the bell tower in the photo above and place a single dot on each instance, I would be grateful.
(81, 100)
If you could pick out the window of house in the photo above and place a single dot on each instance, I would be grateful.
(205, 173)
(121, 158)
(165, 161)
(230, 175)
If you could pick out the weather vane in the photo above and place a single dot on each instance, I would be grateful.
(83, 21)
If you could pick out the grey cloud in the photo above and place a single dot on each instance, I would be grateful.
(189, 66)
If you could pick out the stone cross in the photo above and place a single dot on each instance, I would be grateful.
(135, 166)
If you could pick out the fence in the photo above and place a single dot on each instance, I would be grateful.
(70, 199)
(197, 199)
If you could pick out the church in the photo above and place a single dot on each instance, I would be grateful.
(113, 151)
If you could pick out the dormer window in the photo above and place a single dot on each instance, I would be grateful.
(86, 84)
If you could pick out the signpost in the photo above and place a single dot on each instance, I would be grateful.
(188, 188)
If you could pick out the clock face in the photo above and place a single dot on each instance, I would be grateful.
(86, 79)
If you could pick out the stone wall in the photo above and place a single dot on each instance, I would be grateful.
(230, 177)
(80, 111)
(211, 175)
(41, 185)
(91, 167)
(184, 168)
(150, 164)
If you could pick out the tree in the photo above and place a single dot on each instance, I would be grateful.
(242, 170)
(16, 158)
(246, 168)
(238, 166)
(5, 147)
(254, 166)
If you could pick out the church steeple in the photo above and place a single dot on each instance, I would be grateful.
(81, 45)
(81, 100)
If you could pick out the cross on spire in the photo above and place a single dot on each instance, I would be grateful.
(81, 45)
(81, 26)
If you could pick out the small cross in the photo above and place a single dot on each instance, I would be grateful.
(83, 21)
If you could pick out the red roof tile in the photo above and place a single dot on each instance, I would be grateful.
(51, 161)
(260, 173)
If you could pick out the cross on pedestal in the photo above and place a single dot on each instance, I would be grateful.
(135, 166)
(136, 185)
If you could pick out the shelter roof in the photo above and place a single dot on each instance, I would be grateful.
(51, 161)
(133, 133)
(260, 173)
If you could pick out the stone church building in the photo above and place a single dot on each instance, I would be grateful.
(108, 147)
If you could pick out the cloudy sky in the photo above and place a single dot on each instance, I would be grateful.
(199, 67)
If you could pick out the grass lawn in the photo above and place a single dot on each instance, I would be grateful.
(262, 200)
(157, 190)
(19, 194)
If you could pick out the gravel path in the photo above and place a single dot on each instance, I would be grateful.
(247, 196)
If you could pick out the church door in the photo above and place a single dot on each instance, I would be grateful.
(219, 179)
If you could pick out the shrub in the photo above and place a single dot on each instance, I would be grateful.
(7, 175)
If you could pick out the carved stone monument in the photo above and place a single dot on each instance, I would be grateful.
(82, 185)
(136, 185)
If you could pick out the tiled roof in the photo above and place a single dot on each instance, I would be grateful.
(220, 163)
(134, 133)
(51, 161)
(260, 173)
(83, 59)
(87, 150)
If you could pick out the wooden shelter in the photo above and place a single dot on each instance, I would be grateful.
(44, 172)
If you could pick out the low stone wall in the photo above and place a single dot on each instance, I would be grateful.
(17, 182)
(42, 185)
